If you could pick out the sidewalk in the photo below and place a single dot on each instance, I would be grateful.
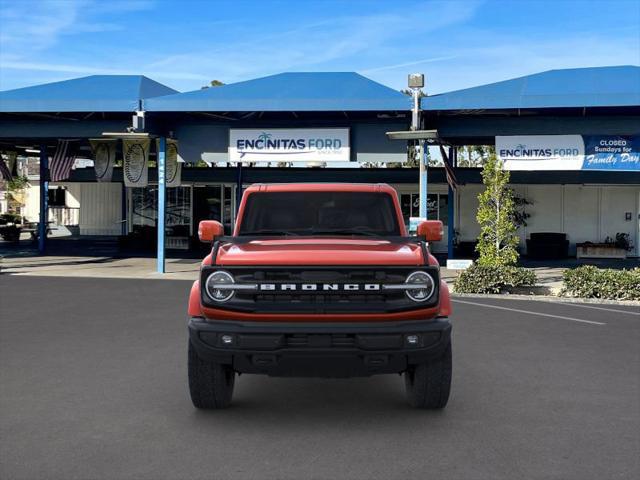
(99, 267)
(177, 269)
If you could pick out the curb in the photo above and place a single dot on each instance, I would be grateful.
(549, 298)
(534, 290)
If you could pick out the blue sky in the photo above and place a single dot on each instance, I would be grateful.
(184, 44)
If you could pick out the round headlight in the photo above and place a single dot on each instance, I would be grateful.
(215, 286)
(425, 289)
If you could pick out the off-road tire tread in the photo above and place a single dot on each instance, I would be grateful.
(428, 384)
(210, 384)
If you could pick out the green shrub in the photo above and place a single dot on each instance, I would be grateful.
(592, 282)
(493, 279)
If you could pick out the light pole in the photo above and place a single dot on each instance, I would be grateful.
(416, 83)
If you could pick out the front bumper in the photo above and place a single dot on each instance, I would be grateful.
(319, 349)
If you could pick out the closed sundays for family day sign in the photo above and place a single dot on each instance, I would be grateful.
(569, 152)
(289, 145)
(611, 153)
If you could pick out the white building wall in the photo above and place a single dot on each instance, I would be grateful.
(546, 210)
(73, 195)
(581, 216)
(615, 204)
(100, 208)
(31, 209)
(584, 212)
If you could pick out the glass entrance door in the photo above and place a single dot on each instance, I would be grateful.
(214, 202)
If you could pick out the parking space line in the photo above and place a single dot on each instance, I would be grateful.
(598, 308)
(529, 312)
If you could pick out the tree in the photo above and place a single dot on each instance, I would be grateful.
(213, 83)
(474, 155)
(496, 210)
(412, 159)
(15, 194)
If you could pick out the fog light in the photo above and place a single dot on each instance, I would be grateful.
(227, 339)
(413, 339)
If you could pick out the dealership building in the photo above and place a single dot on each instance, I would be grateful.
(570, 137)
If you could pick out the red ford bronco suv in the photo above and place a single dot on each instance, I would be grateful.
(319, 280)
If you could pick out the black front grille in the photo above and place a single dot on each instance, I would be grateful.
(308, 275)
(333, 301)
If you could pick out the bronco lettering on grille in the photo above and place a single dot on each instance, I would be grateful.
(314, 287)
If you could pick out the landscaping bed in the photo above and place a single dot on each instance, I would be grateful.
(494, 279)
(606, 283)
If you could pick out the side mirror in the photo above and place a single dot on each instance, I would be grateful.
(430, 230)
(208, 230)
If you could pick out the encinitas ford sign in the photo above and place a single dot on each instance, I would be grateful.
(541, 152)
(569, 152)
(289, 145)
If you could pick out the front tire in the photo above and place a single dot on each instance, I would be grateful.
(210, 384)
(428, 384)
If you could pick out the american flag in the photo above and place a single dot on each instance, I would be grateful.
(451, 175)
(62, 161)
(4, 170)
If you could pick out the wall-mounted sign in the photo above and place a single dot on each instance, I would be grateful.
(569, 152)
(541, 152)
(136, 162)
(610, 152)
(104, 157)
(289, 145)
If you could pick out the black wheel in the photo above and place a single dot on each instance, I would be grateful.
(428, 384)
(210, 384)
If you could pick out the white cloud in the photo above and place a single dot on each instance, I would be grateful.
(29, 27)
(88, 70)
(408, 64)
(314, 46)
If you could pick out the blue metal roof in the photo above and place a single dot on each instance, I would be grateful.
(577, 87)
(96, 93)
(299, 92)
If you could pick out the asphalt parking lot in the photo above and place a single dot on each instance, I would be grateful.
(93, 386)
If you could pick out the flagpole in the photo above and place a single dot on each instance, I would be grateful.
(44, 199)
(453, 158)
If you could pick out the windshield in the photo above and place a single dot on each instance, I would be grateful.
(320, 213)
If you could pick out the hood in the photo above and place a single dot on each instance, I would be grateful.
(320, 251)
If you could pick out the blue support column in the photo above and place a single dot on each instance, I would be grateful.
(453, 153)
(423, 178)
(162, 190)
(238, 185)
(44, 199)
